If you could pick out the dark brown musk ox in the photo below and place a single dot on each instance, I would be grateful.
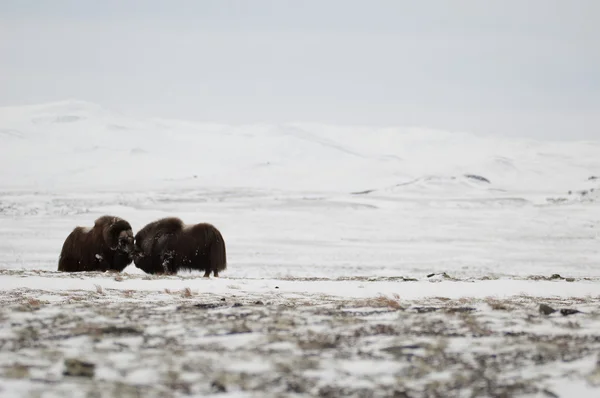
(168, 245)
(107, 246)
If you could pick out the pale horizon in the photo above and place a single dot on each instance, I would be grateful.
(514, 69)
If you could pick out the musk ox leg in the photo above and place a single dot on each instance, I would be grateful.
(101, 264)
(168, 263)
(68, 264)
(208, 271)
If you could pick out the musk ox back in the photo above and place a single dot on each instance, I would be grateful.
(108, 245)
(168, 245)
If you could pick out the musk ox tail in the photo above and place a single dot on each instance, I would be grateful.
(217, 254)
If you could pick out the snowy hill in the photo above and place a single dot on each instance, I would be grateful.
(80, 145)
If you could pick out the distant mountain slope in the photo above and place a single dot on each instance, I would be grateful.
(74, 143)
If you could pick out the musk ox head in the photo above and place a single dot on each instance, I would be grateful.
(150, 243)
(142, 250)
(117, 233)
(138, 253)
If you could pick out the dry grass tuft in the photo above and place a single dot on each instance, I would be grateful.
(498, 305)
(444, 299)
(186, 293)
(17, 371)
(34, 302)
(384, 301)
(71, 299)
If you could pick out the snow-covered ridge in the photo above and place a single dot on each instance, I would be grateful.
(73, 143)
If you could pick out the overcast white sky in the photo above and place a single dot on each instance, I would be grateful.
(517, 67)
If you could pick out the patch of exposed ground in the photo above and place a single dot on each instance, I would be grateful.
(177, 343)
(432, 277)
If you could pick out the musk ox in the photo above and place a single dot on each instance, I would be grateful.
(108, 245)
(168, 245)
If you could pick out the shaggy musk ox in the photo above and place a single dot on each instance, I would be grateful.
(108, 245)
(168, 245)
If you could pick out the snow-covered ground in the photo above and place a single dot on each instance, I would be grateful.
(342, 233)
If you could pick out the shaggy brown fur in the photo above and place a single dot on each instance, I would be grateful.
(167, 245)
(107, 246)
